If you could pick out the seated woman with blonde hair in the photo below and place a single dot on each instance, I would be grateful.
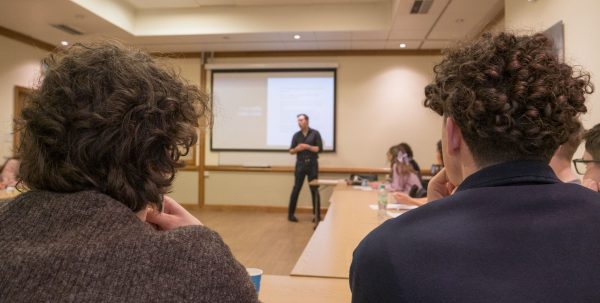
(403, 176)
(435, 168)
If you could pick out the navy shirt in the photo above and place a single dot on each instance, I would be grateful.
(312, 138)
(512, 232)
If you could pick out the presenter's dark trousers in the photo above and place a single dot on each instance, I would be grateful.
(304, 168)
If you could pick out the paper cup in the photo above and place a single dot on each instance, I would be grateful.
(255, 275)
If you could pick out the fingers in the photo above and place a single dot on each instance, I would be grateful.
(172, 216)
(439, 186)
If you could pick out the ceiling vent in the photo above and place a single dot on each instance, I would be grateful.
(67, 29)
(421, 6)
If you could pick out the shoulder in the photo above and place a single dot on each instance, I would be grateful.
(198, 258)
(198, 244)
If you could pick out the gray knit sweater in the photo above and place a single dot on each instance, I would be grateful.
(88, 247)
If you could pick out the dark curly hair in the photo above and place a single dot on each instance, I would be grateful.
(109, 119)
(510, 96)
(592, 142)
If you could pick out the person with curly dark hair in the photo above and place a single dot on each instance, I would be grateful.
(499, 225)
(589, 164)
(101, 140)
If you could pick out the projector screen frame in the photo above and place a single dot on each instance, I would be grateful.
(275, 70)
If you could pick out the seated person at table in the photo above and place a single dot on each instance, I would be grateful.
(499, 225)
(409, 153)
(100, 144)
(562, 160)
(589, 164)
(403, 177)
(9, 173)
(435, 168)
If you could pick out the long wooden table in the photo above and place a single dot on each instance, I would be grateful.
(288, 289)
(349, 219)
(321, 273)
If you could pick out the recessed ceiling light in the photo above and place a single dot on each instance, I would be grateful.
(297, 37)
(64, 43)
(402, 45)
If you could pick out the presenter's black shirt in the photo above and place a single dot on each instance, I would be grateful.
(313, 138)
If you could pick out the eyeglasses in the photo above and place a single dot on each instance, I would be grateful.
(581, 165)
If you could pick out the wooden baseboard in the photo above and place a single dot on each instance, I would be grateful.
(261, 208)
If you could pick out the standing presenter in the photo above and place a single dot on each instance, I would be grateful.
(306, 145)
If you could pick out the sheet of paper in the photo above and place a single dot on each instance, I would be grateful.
(393, 214)
(394, 206)
(329, 181)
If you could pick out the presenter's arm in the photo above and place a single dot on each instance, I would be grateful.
(294, 146)
(316, 148)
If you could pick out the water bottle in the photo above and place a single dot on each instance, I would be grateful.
(382, 201)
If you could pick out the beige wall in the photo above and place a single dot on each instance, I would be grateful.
(19, 65)
(379, 103)
(581, 45)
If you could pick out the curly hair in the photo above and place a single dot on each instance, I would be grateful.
(109, 119)
(510, 96)
(592, 142)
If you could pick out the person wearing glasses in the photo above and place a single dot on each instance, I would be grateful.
(589, 164)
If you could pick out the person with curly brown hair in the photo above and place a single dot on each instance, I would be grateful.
(101, 140)
(499, 225)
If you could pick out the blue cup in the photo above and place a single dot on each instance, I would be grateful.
(255, 275)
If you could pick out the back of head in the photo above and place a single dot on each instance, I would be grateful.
(592, 142)
(510, 96)
(109, 119)
(406, 148)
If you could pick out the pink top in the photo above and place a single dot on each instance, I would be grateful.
(403, 183)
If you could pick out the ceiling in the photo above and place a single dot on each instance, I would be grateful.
(252, 25)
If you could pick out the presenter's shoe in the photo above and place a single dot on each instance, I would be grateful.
(292, 219)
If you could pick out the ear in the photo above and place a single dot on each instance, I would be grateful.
(454, 136)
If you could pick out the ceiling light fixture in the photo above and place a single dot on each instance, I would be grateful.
(297, 37)
(64, 43)
(402, 45)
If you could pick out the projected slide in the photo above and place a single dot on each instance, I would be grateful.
(256, 110)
